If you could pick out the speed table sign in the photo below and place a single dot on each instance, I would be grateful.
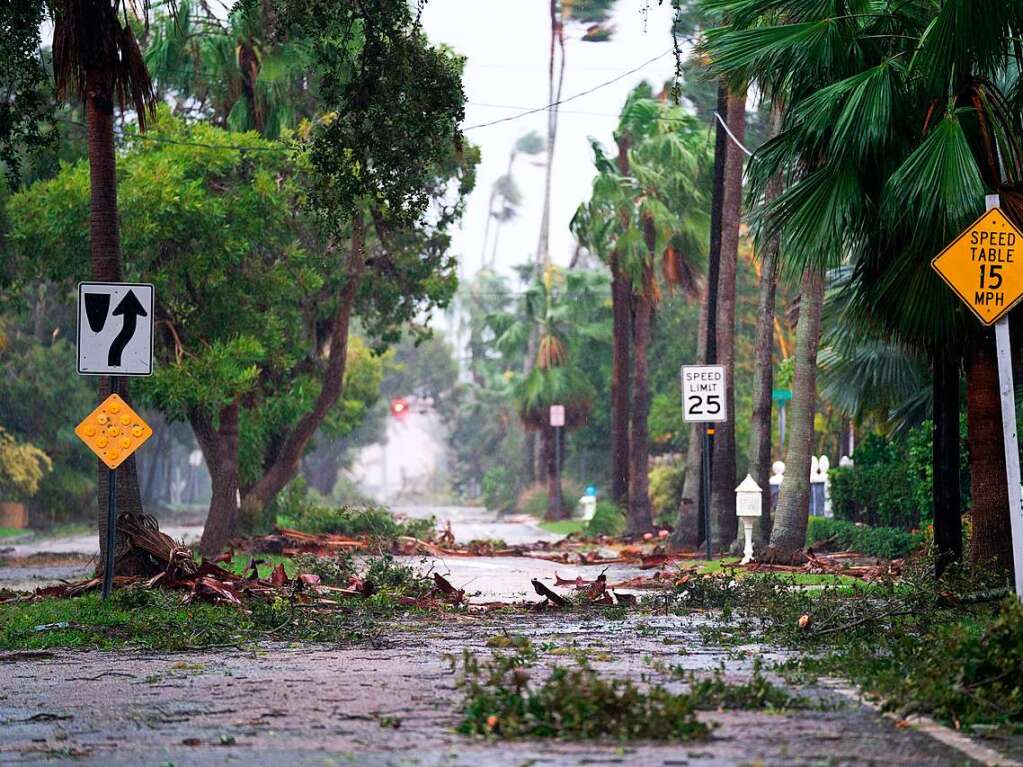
(703, 393)
(984, 266)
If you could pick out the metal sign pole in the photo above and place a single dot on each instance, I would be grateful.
(557, 464)
(1011, 443)
(708, 447)
(111, 537)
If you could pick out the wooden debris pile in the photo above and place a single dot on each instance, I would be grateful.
(648, 553)
(839, 563)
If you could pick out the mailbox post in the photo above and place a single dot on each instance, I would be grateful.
(748, 506)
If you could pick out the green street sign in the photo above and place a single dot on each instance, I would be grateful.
(781, 395)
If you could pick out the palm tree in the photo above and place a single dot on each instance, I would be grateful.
(897, 124)
(232, 71)
(507, 192)
(554, 308)
(96, 58)
(645, 207)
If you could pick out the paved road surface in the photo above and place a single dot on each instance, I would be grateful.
(395, 703)
(324, 705)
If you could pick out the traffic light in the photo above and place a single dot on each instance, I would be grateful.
(399, 407)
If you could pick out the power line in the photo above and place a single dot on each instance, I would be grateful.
(659, 118)
(570, 98)
(526, 113)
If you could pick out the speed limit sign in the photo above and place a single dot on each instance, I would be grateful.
(703, 393)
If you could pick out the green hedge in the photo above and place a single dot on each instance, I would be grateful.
(890, 483)
(885, 542)
(298, 509)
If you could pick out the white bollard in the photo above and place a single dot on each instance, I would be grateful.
(588, 507)
(748, 506)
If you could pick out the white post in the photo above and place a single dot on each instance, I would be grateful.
(1011, 443)
(748, 506)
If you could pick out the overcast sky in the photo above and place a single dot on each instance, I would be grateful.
(506, 47)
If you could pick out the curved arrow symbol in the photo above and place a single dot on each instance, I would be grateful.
(131, 309)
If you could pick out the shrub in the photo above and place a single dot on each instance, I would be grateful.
(22, 468)
(499, 488)
(310, 517)
(608, 520)
(885, 542)
(384, 573)
(533, 500)
(890, 483)
(572, 703)
(666, 492)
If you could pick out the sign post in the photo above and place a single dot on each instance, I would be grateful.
(703, 401)
(115, 338)
(557, 422)
(984, 267)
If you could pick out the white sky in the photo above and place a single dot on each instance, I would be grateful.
(506, 47)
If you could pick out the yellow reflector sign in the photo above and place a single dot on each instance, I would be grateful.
(113, 431)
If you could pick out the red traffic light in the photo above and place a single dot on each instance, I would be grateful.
(399, 406)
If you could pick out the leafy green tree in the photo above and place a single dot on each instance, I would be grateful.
(40, 402)
(553, 304)
(386, 161)
(246, 296)
(26, 106)
(22, 468)
(485, 435)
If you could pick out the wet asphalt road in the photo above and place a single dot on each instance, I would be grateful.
(322, 705)
(395, 703)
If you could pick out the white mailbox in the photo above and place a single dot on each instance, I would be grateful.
(749, 505)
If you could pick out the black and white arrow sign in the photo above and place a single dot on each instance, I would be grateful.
(115, 328)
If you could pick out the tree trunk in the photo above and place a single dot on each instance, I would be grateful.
(219, 445)
(763, 366)
(763, 386)
(105, 260)
(285, 468)
(688, 527)
(948, 527)
(621, 309)
(723, 480)
(486, 227)
(640, 519)
(554, 97)
(248, 67)
(788, 534)
(991, 545)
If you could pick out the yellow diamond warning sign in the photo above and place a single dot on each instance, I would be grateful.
(113, 431)
(984, 266)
